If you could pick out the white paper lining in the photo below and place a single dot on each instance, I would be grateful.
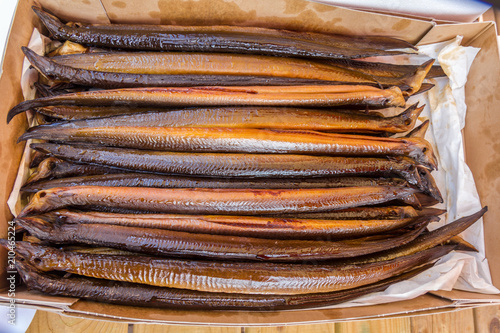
(445, 107)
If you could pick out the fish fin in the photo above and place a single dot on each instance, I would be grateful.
(419, 131)
(427, 183)
(415, 80)
(412, 200)
(462, 244)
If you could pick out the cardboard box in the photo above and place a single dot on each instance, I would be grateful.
(482, 139)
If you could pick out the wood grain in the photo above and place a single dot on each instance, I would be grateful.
(457, 322)
(50, 322)
(487, 319)
(482, 319)
(150, 328)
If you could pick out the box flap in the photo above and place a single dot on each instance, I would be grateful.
(282, 14)
(254, 318)
(90, 11)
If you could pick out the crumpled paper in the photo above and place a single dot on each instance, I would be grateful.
(445, 107)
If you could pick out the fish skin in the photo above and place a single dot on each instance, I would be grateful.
(255, 117)
(217, 201)
(222, 39)
(244, 71)
(180, 244)
(160, 297)
(427, 240)
(175, 181)
(217, 276)
(241, 226)
(243, 165)
(297, 96)
(239, 140)
(54, 168)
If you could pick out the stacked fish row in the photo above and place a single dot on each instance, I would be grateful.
(213, 167)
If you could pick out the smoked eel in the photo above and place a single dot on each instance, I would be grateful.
(136, 294)
(238, 140)
(244, 165)
(256, 117)
(46, 226)
(230, 39)
(217, 201)
(298, 96)
(218, 276)
(149, 69)
(180, 244)
(175, 181)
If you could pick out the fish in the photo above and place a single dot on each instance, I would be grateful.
(241, 226)
(386, 69)
(239, 140)
(256, 117)
(54, 168)
(367, 213)
(232, 39)
(217, 276)
(217, 201)
(244, 165)
(149, 69)
(297, 96)
(182, 244)
(134, 179)
(136, 294)
(426, 240)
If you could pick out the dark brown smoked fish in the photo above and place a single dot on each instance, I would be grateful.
(136, 294)
(174, 181)
(54, 168)
(164, 242)
(242, 226)
(222, 39)
(217, 276)
(236, 140)
(298, 96)
(217, 201)
(244, 165)
(426, 240)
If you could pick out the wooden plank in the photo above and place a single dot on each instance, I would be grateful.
(47, 322)
(482, 319)
(318, 328)
(455, 321)
(400, 325)
(487, 318)
(152, 328)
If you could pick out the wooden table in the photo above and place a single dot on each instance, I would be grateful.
(482, 319)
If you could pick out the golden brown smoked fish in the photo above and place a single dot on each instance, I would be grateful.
(217, 276)
(242, 226)
(299, 96)
(231, 39)
(258, 117)
(115, 70)
(236, 140)
(245, 165)
(136, 294)
(162, 69)
(217, 201)
(181, 244)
